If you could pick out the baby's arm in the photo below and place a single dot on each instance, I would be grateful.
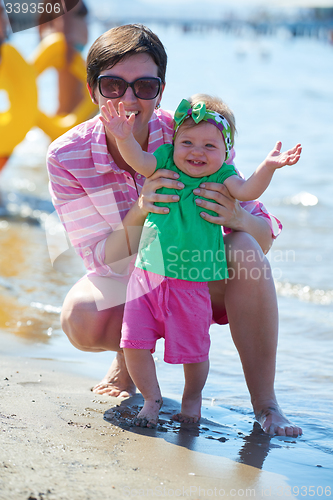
(121, 127)
(254, 186)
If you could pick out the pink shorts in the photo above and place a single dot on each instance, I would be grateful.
(178, 311)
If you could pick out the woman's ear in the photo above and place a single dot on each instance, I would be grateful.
(91, 93)
(158, 102)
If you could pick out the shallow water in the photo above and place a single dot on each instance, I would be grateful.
(279, 89)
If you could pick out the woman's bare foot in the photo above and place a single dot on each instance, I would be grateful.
(148, 416)
(274, 422)
(190, 412)
(117, 382)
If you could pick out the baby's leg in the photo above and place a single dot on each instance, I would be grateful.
(195, 379)
(141, 367)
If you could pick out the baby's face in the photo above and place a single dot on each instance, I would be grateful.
(199, 150)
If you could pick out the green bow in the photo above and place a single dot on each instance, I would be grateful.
(198, 113)
(184, 110)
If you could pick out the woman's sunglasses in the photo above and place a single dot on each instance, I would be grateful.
(113, 87)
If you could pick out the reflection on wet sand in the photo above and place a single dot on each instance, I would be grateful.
(207, 437)
(256, 447)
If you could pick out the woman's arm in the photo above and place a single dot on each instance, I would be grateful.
(105, 243)
(258, 228)
(232, 215)
(121, 127)
(124, 241)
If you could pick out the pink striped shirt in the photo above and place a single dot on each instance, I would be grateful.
(92, 195)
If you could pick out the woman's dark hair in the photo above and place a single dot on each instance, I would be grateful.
(122, 42)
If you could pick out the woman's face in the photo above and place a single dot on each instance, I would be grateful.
(131, 68)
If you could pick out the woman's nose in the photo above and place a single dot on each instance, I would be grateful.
(129, 95)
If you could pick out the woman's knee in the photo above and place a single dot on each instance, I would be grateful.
(92, 325)
(90, 329)
(75, 313)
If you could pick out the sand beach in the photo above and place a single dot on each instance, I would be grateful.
(60, 441)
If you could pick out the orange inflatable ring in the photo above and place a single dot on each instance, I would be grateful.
(51, 52)
(18, 79)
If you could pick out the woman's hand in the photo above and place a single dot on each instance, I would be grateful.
(228, 209)
(116, 122)
(124, 242)
(231, 214)
(148, 196)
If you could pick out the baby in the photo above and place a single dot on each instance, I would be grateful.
(168, 294)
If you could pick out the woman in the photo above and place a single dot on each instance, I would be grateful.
(103, 203)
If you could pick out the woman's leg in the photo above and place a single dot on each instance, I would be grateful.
(250, 300)
(92, 323)
(141, 366)
(195, 379)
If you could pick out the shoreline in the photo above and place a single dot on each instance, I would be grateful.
(60, 441)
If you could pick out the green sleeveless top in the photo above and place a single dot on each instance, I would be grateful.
(181, 244)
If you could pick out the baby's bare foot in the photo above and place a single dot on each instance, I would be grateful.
(190, 412)
(148, 416)
(117, 382)
(274, 422)
(185, 419)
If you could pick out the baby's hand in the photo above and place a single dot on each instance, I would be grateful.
(116, 122)
(275, 159)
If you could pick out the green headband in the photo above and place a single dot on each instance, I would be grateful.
(198, 113)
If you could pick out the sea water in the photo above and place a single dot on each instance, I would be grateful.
(280, 88)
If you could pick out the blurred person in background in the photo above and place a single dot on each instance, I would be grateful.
(3, 36)
(3, 25)
(74, 27)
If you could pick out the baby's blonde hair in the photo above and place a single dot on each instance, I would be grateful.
(214, 104)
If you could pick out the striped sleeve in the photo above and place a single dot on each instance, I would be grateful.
(86, 228)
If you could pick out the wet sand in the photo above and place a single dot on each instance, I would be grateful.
(60, 441)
